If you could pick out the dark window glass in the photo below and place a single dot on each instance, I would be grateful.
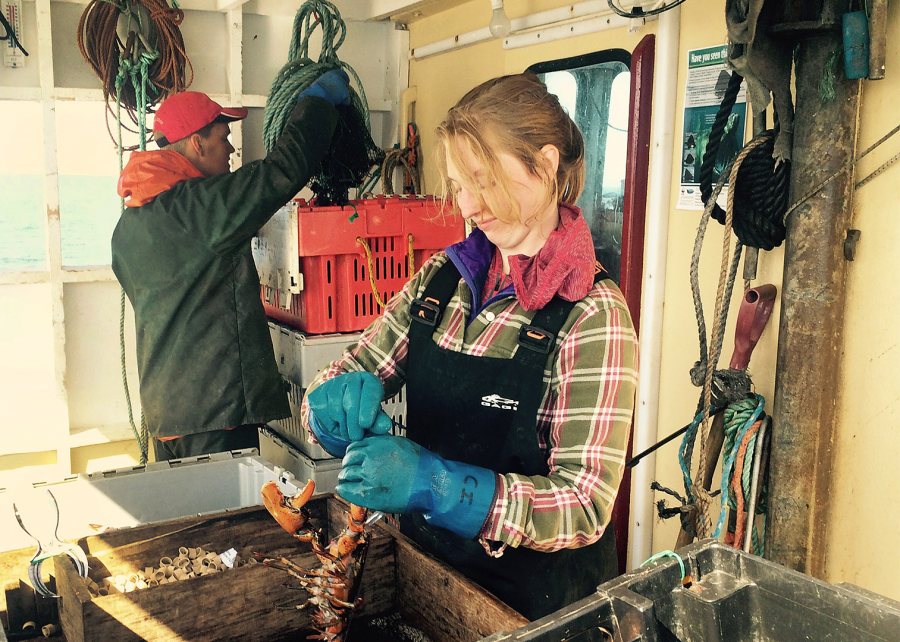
(594, 90)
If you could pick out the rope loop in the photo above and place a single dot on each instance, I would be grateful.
(352, 153)
(370, 262)
(153, 38)
(406, 157)
(761, 187)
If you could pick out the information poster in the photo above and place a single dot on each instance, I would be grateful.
(707, 80)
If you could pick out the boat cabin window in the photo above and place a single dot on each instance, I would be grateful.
(22, 215)
(594, 90)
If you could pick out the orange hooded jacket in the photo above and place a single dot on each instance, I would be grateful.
(149, 174)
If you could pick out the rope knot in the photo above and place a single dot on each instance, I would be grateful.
(698, 373)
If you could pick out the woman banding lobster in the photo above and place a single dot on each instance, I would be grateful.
(519, 359)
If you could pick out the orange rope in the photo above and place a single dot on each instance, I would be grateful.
(410, 255)
(153, 27)
(741, 515)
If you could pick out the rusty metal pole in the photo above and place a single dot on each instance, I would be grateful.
(812, 312)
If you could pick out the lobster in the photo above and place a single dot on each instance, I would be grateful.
(329, 587)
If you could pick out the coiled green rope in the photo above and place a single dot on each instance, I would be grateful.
(301, 71)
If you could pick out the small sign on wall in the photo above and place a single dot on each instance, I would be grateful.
(707, 80)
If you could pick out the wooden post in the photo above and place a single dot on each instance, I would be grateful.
(812, 312)
(877, 39)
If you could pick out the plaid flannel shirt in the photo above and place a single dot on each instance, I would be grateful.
(583, 421)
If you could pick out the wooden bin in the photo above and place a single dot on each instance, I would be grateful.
(239, 604)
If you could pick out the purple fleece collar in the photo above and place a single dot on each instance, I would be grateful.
(472, 257)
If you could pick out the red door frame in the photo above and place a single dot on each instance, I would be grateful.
(634, 215)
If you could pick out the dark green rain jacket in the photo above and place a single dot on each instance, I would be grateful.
(204, 353)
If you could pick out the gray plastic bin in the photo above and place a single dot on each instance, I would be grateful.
(735, 597)
(301, 357)
(280, 453)
(128, 497)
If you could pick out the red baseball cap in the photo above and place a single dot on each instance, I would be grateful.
(186, 112)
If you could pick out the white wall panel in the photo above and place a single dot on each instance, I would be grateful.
(30, 409)
(206, 41)
(94, 375)
(266, 41)
(69, 67)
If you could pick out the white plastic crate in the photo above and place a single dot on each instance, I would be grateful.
(301, 357)
(128, 497)
(324, 472)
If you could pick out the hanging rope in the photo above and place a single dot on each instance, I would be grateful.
(138, 80)
(720, 388)
(407, 158)
(698, 372)
(760, 188)
(137, 74)
(741, 450)
(353, 152)
(718, 332)
(739, 419)
(744, 488)
(152, 36)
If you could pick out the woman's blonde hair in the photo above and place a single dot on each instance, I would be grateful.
(518, 116)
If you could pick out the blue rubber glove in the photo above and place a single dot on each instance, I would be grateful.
(333, 86)
(397, 475)
(344, 409)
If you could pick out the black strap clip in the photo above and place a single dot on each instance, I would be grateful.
(536, 339)
(426, 312)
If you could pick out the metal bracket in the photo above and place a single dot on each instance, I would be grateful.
(39, 517)
(850, 243)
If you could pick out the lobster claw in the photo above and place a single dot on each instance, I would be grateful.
(289, 512)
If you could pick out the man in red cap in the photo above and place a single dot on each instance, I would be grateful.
(181, 251)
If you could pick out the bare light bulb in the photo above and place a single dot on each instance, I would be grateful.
(499, 25)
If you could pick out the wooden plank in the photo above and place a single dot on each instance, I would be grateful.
(88, 275)
(72, 601)
(238, 529)
(443, 603)
(18, 600)
(238, 604)
(379, 579)
(20, 606)
(428, 593)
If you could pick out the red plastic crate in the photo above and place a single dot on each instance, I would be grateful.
(337, 293)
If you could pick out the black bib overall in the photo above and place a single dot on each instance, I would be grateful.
(483, 411)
